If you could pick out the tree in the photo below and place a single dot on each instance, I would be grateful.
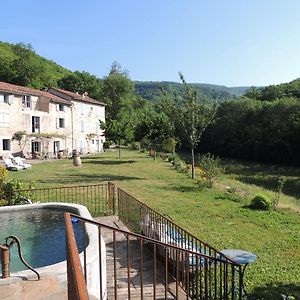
(195, 116)
(20, 137)
(115, 131)
(82, 82)
(117, 88)
(154, 127)
(170, 107)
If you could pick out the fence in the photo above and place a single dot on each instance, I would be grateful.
(139, 267)
(189, 264)
(98, 198)
(201, 277)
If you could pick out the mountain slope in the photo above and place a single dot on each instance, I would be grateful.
(151, 90)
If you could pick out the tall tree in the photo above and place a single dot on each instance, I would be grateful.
(154, 127)
(195, 115)
(117, 88)
(82, 82)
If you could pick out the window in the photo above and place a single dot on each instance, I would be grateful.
(61, 123)
(26, 101)
(97, 112)
(36, 124)
(82, 126)
(4, 119)
(35, 147)
(6, 98)
(60, 107)
(6, 144)
(81, 146)
(97, 127)
(81, 108)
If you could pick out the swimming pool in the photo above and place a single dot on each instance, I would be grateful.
(42, 235)
(56, 265)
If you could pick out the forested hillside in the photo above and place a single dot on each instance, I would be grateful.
(264, 125)
(261, 125)
(151, 90)
(19, 64)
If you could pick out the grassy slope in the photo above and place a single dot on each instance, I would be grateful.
(273, 236)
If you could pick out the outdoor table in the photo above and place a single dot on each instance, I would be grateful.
(241, 257)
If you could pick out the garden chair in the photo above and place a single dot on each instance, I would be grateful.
(19, 161)
(12, 166)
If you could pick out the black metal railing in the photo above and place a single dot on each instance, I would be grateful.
(138, 267)
(98, 198)
(204, 281)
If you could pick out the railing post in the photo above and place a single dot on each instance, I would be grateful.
(5, 261)
(111, 197)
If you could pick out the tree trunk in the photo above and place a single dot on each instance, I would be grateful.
(119, 149)
(193, 163)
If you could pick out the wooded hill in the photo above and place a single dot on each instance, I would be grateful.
(151, 90)
(19, 64)
(261, 125)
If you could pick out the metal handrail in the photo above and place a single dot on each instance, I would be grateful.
(77, 289)
(159, 243)
(168, 221)
(208, 277)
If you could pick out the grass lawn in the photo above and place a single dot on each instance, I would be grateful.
(209, 214)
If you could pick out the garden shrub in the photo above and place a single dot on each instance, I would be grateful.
(261, 202)
(211, 166)
(3, 174)
(12, 192)
(106, 145)
(180, 166)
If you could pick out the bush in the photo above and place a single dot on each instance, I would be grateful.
(211, 166)
(3, 174)
(261, 202)
(180, 166)
(106, 145)
(12, 192)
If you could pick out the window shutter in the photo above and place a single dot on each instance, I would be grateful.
(1, 98)
(11, 99)
(57, 122)
(57, 107)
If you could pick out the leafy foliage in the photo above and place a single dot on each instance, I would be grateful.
(151, 90)
(212, 167)
(12, 192)
(262, 202)
(19, 64)
(82, 82)
(256, 130)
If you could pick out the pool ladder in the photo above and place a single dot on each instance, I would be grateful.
(5, 256)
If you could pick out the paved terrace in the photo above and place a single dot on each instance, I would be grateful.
(50, 288)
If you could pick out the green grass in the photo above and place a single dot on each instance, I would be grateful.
(223, 220)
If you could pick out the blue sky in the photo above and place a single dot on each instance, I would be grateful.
(232, 42)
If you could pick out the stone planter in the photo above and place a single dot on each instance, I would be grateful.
(76, 158)
(76, 161)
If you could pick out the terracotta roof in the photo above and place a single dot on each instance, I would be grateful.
(78, 97)
(22, 90)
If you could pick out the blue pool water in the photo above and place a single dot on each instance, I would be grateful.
(42, 235)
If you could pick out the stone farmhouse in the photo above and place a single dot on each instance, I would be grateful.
(56, 122)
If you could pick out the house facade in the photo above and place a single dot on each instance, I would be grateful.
(53, 120)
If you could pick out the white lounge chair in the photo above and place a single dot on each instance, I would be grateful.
(12, 166)
(20, 161)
